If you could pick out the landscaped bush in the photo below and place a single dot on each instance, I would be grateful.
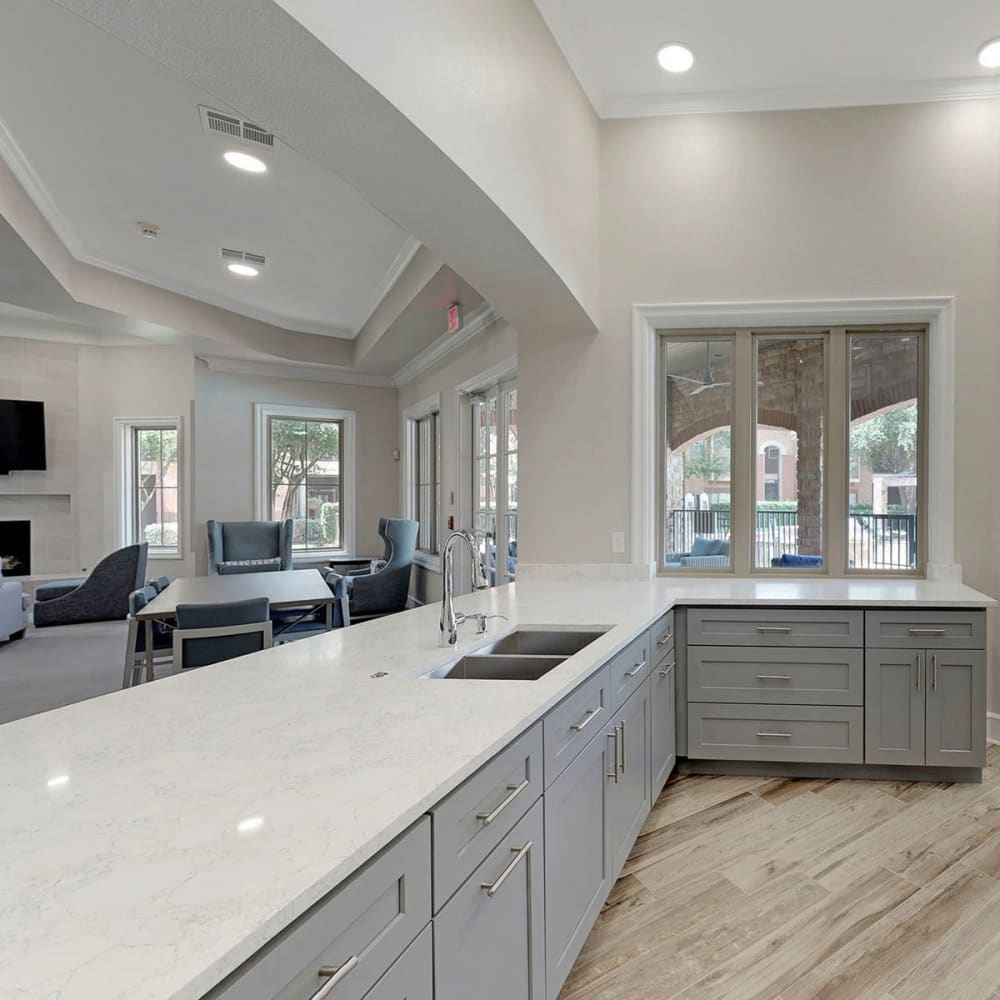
(329, 516)
(308, 532)
(151, 533)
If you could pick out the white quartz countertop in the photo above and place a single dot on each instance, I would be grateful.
(153, 839)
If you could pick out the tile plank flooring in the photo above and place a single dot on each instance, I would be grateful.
(743, 888)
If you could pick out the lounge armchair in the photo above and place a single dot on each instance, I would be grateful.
(101, 597)
(14, 614)
(366, 594)
(706, 553)
(249, 546)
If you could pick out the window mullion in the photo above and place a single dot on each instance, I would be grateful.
(743, 452)
(837, 479)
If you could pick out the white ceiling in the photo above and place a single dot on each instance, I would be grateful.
(102, 137)
(773, 54)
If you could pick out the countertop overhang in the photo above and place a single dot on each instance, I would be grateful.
(203, 813)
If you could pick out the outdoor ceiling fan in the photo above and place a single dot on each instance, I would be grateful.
(708, 382)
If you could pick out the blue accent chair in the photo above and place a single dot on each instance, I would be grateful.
(14, 614)
(135, 642)
(249, 546)
(364, 594)
(101, 597)
(210, 633)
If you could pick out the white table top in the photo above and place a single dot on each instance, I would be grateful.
(125, 873)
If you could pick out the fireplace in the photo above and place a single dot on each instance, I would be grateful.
(15, 547)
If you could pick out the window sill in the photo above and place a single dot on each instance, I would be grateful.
(164, 556)
(317, 556)
(428, 561)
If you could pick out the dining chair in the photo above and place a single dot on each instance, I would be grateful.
(135, 641)
(210, 633)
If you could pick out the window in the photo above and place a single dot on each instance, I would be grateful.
(422, 476)
(494, 493)
(833, 418)
(150, 489)
(304, 472)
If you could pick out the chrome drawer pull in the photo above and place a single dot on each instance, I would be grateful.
(665, 638)
(336, 973)
(920, 667)
(492, 888)
(623, 746)
(579, 727)
(613, 773)
(934, 672)
(783, 736)
(487, 818)
(666, 670)
(927, 631)
(776, 629)
(636, 668)
(773, 677)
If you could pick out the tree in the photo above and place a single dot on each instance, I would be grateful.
(298, 448)
(709, 459)
(887, 443)
(157, 454)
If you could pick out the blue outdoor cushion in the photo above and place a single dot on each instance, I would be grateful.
(705, 547)
(792, 559)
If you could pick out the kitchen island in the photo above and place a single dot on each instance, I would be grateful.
(157, 838)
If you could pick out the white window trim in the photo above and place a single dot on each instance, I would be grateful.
(432, 404)
(937, 312)
(349, 481)
(123, 430)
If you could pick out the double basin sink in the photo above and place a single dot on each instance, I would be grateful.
(525, 654)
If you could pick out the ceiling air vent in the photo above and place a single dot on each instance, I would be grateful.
(244, 256)
(238, 128)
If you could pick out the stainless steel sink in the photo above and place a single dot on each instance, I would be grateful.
(477, 667)
(543, 641)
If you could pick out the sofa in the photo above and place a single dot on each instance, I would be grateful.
(706, 553)
(14, 609)
(249, 546)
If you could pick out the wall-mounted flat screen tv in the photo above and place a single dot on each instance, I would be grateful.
(22, 435)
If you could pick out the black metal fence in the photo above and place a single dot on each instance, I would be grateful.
(874, 541)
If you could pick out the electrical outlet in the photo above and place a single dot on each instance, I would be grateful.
(617, 541)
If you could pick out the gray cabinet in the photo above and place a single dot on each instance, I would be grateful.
(578, 874)
(412, 974)
(925, 706)
(662, 724)
(775, 627)
(489, 940)
(896, 629)
(572, 724)
(629, 789)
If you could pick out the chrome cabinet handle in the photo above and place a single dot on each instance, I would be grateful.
(487, 818)
(623, 746)
(777, 629)
(336, 974)
(666, 670)
(492, 888)
(665, 638)
(927, 631)
(579, 727)
(783, 736)
(636, 668)
(934, 671)
(773, 677)
(920, 665)
(613, 773)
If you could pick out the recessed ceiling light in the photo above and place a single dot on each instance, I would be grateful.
(244, 161)
(989, 55)
(675, 58)
(243, 270)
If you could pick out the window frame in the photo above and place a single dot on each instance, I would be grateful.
(263, 414)
(126, 515)
(412, 415)
(836, 446)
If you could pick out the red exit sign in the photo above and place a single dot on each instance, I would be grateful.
(454, 317)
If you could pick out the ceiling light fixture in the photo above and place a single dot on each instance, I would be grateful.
(675, 58)
(243, 270)
(989, 55)
(244, 161)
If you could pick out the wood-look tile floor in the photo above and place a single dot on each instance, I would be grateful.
(772, 889)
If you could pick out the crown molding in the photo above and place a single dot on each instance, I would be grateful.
(800, 98)
(394, 272)
(307, 373)
(481, 318)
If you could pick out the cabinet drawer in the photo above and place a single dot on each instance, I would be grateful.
(474, 818)
(930, 629)
(412, 974)
(570, 726)
(661, 638)
(489, 941)
(815, 734)
(774, 627)
(365, 924)
(628, 670)
(782, 676)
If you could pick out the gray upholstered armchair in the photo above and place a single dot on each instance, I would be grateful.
(249, 546)
(102, 597)
(365, 594)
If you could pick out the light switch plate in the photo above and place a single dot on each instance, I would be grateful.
(617, 541)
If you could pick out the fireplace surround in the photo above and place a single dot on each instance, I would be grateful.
(15, 548)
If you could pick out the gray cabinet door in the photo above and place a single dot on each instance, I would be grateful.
(577, 857)
(894, 706)
(956, 708)
(411, 976)
(662, 725)
(628, 799)
(489, 940)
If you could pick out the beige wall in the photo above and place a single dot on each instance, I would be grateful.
(821, 204)
(493, 347)
(224, 447)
